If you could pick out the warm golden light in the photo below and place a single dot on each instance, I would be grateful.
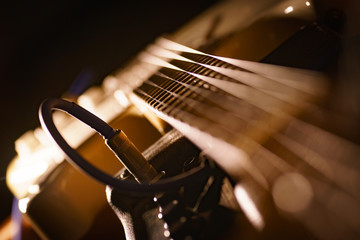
(307, 3)
(34, 189)
(23, 204)
(121, 98)
(168, 44)
(10, 229)
(289, 9)
(26, 144)
(292, 192)
(90, 98)
(167, 233)
(28, 173)
(249, 208)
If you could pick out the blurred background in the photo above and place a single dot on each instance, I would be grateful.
(45, 48)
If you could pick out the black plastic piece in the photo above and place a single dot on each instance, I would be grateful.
(179, 212)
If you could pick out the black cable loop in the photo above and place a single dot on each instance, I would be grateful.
(75, 159)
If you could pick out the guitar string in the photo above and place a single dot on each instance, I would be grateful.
(237, 87)
(215, 62)
(174, 86)
(268, 171)
(302, 79)
(160, 93)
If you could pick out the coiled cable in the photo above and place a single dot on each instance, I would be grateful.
(45, 114)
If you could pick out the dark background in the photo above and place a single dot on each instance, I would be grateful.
(45, 47)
